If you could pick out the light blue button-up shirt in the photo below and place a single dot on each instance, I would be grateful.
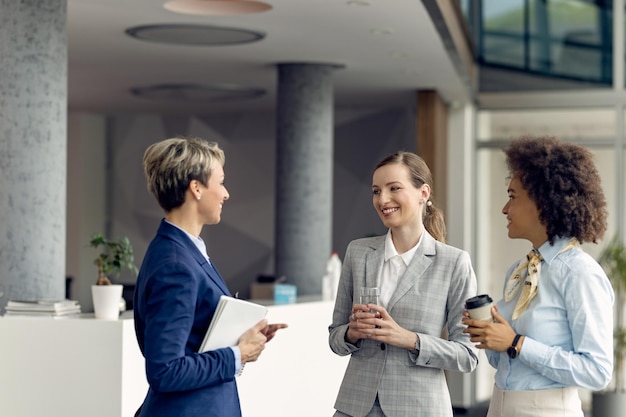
(568, 326)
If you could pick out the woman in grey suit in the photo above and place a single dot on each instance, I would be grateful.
(398, 354)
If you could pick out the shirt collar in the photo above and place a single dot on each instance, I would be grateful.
(390, 249)
(549, 252)
(196, 240)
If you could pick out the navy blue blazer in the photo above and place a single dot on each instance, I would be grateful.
(175, 298)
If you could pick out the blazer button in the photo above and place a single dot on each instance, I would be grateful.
(382, 346)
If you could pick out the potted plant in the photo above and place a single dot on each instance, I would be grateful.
(114, 256)
(612, 402)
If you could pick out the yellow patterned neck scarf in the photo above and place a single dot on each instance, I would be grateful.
(527, 273)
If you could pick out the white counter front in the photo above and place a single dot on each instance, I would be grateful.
(297, 373)
(70, 367)
(87, 367)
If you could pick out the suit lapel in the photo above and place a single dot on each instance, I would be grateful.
(179, 236)
(215, 276)
(374, 263)
(414, 271)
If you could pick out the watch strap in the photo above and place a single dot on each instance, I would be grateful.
(512, 351)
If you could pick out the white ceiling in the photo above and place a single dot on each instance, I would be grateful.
(379, 70)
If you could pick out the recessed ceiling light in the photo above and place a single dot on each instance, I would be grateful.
(399, 55)
(197, 92)
(381, 31)
(181, 34)
(216, 7)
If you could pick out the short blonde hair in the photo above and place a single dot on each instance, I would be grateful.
(171, 164)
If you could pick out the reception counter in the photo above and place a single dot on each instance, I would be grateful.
(88, 367)
(297, 374)
(70, 367)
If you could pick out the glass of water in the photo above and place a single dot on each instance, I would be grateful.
(369, 295)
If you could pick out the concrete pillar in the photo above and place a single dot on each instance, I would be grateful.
(304, 174)
(33, 148)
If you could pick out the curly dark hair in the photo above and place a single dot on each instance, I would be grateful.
(562, 179)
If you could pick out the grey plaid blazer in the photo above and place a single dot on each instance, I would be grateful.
(429, 300)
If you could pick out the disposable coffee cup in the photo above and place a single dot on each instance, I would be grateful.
(479, 307)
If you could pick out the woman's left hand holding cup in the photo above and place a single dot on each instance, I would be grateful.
(356, 323)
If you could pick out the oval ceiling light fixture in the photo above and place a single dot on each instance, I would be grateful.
(216, 7)
(398, 55)
(358, 3)
(181, 34)
(382, 31)
(410, 72)
(197, 93)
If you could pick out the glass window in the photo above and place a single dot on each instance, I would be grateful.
(502, 40)
(543, 44)
(575, 39)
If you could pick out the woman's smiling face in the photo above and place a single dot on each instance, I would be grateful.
(522, 215)
(395, 198)
(213, 197)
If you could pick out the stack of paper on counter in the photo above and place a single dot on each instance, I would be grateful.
(232, 318)
(42, 308)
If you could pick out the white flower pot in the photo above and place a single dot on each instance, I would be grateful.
(106, 301)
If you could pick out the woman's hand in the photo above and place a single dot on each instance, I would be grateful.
(496, 336)
(380, 326)
(252, 342)
(356, 323)
(270, 330)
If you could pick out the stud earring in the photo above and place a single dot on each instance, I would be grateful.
(198, 196)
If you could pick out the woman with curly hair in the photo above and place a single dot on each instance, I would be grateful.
(552, 330)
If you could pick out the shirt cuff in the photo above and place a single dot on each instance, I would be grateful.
(415, 352)
(533, 353)
(237, 353)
